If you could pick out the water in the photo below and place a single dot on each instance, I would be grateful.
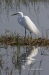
(38, 13)
(24, 60)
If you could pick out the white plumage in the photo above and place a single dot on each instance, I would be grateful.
(26, 22)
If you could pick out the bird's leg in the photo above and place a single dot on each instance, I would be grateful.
(25, 35)
(30, 35)
(25, 32)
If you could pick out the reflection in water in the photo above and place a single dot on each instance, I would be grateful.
(17, 60)
(30, 58)
(14, 59)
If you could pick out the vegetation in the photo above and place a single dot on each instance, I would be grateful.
(14, 4)
(14, 39)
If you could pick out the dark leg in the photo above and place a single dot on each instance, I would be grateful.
(30, 35)
(25, 32)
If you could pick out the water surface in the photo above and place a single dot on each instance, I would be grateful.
(38, 13)
(25, 59)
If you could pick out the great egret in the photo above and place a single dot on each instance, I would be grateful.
(26, 22)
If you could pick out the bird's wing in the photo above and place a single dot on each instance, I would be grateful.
(28, 24)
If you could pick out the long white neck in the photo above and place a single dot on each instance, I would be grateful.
(20, 14)
(20, 17)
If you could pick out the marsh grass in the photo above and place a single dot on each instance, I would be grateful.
(7, 5)
(14, 39)
(1, 61)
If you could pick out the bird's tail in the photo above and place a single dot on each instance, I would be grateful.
(37, 32)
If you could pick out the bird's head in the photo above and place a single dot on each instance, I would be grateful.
(18, 13)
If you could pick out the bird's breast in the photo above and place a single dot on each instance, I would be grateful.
(20, 21)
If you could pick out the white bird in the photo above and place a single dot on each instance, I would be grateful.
(26, 22)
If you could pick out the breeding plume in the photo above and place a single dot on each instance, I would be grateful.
(26, 22)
